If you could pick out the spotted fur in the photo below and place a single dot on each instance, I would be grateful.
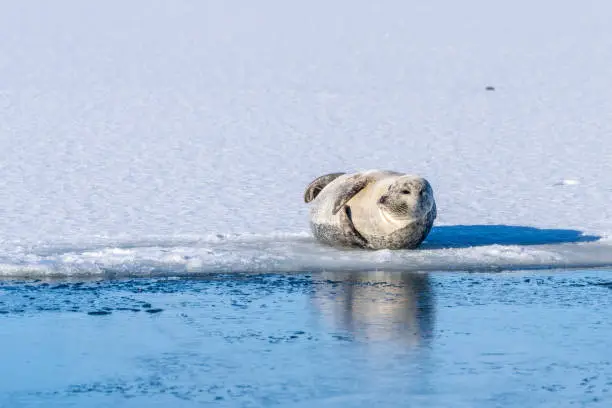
(373, 209)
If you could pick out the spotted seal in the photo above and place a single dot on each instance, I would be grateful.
(374, 209)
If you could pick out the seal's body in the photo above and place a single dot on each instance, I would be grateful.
(372, 209)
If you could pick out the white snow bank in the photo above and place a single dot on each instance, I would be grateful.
(474, 247)
(162, 119)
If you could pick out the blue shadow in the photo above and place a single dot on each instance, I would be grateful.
(464, 236)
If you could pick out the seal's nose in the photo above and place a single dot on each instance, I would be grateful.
(382, 199)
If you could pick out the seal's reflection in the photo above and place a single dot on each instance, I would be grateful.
(378, 306)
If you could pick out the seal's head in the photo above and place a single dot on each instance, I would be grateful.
(408, 198)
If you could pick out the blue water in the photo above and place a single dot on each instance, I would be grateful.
(516, 339)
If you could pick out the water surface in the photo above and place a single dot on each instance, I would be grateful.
(538, 338)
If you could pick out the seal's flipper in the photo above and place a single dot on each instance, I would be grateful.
(348, 189)
(349, 230)
(314, 188)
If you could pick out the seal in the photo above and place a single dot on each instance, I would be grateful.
(375, 209)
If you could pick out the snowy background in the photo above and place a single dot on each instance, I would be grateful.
(179, 135)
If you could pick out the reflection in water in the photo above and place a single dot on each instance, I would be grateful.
(378, 306)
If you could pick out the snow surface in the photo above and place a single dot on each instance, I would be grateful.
(150, 136)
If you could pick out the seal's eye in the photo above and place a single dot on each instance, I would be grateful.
(405, 191)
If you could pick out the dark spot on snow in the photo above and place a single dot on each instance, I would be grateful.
(154, 310)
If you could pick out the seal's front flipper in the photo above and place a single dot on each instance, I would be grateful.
(314, 188)
(348, 189)
(350, 232)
